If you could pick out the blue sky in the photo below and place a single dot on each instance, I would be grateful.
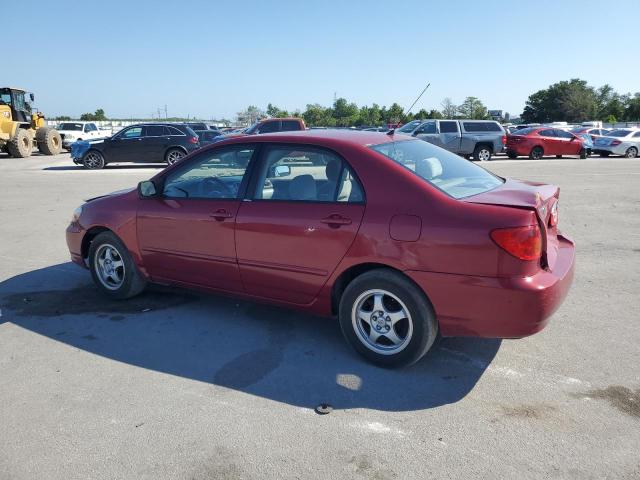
(212, 59)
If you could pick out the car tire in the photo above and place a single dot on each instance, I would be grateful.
(404, 320)
(93, 160)
(482, 153)
(174, 155)
(113, 269)
(604, 154)
(512, 155)
(632, 152)
(584, 153)
(536, 153)
(21, 145)
(49, 141)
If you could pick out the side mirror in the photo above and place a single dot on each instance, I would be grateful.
(415, 133)
(282, 171)
(572, 139)
(147, 189)
(32, 97)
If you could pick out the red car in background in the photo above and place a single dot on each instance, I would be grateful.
(535, 142)
(399, 238)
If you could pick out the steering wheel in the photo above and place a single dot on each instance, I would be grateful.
(213, 186)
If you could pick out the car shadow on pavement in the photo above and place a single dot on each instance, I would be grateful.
(158, 166)
(279, 354)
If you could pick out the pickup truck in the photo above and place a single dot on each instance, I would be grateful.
(478, 138)
(72, 131)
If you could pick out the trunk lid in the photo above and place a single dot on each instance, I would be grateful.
(539, 197)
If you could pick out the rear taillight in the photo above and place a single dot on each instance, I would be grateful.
(193, 139)
(504, 139)
(524, 243)
(615, 142)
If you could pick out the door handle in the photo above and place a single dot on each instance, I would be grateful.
(221, 214)
(335, 220)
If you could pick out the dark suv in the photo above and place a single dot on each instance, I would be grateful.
(146, 143)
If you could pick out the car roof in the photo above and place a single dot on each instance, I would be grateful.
(329, 137)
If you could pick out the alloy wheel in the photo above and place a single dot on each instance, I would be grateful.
(632, 152)
(382, 322)
(174, 156)
(92, 160)
(484, 155)
(109, 265)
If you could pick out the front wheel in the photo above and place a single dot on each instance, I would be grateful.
(174, 155)
(49, 141)
(536, 153)
(93, 160)
(584, 153)
(113, 269)
(387, 319)
(632, 152)
(482, 154)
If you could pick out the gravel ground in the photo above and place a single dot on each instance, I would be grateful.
(179, 385)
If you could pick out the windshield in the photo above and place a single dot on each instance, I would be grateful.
(619, 133)
(410, 127)
(69, 126)
(446, 171)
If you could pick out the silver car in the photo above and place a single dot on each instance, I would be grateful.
(623, 141)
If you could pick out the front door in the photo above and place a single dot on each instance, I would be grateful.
(187, 233)
(302, 215)
(126, 146)
(428, 132)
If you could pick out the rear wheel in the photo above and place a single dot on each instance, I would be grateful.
(93, 160)
(21, 145)
(174, 155)
(632, 152)
(536, 153)
(387, 319)
(49, 141)
(482, 153)
(113, 269)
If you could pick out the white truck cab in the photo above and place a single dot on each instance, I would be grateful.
(72, 131)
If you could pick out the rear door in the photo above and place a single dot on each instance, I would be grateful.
(302, 215)
(449, 135)
(154, 140)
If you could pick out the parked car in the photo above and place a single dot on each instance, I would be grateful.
(199, 126)
(592, 132)
(208, 136)
(536, 142)
(478, 138)
(268, 125)
(623, 141)
(149, 143)
(72, 131)
(399, 238)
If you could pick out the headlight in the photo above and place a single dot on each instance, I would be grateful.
(76, 214)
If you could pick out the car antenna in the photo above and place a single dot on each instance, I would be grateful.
(393, 130)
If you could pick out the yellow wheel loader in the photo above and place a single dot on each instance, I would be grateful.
(21, 130)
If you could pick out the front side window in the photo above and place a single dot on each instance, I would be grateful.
(215, 174)
(428, 127)
(410, 127)
(446, 171)
(308, 174)
(636, 135)
(133, 132)
(448, 127)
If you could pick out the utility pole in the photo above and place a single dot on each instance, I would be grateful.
(165, 112)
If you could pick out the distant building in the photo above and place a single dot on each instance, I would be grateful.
(495, 114)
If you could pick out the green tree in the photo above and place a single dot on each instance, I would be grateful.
(318, 116)
(275, 112)
(62, 117)
(344, 113)
(569, 101)
(449, 109)
(395, 114)
(632, 109)
(473, 108)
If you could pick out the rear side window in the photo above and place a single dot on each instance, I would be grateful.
(174, 131)
(448, 127)
(446, 171)
(636, 135)
(154, 131)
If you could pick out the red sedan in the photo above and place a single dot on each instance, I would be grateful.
(397, 237)
(536, 142)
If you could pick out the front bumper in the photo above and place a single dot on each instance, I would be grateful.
(75, 234)
(498, 307)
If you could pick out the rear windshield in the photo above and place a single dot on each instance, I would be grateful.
(524, 131)
(455, 176)
(69, 126)
(619, 133)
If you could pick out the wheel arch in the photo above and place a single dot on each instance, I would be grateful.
(92, 233)
(174, 147)
(354, 271)
(484, 143)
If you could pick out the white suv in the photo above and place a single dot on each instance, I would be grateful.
(72, 131)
